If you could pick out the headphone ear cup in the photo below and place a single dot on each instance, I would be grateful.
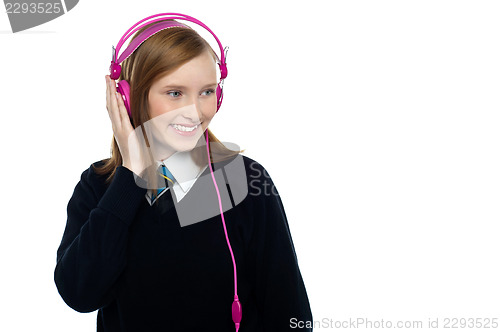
(219, 96)
(123, 89)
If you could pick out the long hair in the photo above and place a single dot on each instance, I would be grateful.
(159, 55)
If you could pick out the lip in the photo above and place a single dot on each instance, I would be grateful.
(187, 124)
(185, 133)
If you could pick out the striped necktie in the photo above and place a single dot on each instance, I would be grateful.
(167, 175)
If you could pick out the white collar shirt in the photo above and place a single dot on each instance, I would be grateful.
(185, 172)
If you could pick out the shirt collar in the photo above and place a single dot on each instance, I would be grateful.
(183, 168)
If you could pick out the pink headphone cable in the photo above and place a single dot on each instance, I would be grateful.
(236, 309)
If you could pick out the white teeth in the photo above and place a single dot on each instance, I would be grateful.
(182, 128)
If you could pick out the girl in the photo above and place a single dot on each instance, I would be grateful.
(146, 240)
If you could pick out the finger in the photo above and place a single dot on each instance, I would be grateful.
(113, 105)
(108, 96)
(123, 112)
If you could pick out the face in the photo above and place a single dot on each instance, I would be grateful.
(181, 106)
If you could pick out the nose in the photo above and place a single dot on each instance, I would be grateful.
(193, 113)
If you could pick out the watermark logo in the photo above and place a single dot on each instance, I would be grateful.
(176, 139)
(26, 14)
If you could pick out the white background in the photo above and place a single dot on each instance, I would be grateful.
(377, 120)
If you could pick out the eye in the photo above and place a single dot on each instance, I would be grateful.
(174, 94)
(209, 92)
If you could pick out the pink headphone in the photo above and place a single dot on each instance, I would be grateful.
(124, 89)
(123, 86)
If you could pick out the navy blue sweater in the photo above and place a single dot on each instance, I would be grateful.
(142, 271)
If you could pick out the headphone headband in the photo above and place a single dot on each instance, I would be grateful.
(134, 44)
(115, 67)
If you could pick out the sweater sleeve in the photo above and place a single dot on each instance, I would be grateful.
(280, 291)
(92, 253)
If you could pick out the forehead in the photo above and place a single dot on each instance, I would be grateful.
(198, 69)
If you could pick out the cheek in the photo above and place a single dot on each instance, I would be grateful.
(154, 108)
(210, 110)
(209, 114)
(157, 106)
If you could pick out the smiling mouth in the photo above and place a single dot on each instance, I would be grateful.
(184, 128)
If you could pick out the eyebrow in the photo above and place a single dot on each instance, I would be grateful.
(182, 87)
